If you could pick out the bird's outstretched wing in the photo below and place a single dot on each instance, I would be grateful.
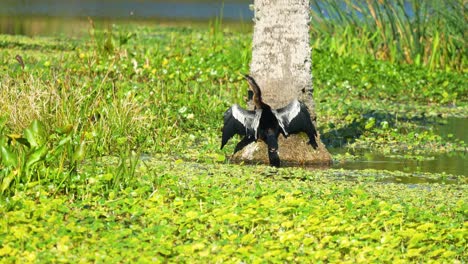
(295, 118)
(240, 121)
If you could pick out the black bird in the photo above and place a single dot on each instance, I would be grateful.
(266, 124)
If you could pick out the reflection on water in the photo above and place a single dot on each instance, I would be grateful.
(57, 16)
(72, 27)
(43, 26)
(141, 9)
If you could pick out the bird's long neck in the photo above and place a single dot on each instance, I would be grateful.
(257, 94)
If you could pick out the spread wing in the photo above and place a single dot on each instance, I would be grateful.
(240, 121)
(295, 118)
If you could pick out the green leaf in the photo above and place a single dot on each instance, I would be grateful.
(7, 180)
(370, 123)
(64, 141)
(36, 156)
(64, 129)
(9, 158)
(35, 134)
(3, 140)
(80, 152)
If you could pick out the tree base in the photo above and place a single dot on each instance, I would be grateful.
(293, 151)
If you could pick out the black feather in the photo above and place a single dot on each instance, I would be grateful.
(295, 118)
(266, 124)
(240, 121)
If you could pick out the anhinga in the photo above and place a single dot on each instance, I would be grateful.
(266, 124)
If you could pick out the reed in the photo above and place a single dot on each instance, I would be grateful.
(428, 33)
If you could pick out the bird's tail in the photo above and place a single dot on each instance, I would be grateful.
(257, 94)
(272, 142)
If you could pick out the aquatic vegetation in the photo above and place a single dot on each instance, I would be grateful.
(109, 145)
(178, 211)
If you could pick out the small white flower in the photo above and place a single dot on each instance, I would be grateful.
(182, 109)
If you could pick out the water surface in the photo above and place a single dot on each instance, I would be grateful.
(455, 163)
(51, 17)
(142, 9)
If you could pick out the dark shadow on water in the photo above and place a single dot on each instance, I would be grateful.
(340, 137)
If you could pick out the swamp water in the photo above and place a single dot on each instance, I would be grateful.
(455, 163)
(52, 17)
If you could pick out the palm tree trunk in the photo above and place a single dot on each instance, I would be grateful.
(281, 65)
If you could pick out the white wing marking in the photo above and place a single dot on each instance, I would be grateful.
(287, 114)
(238, 115)
(242, 116)
(256, 121)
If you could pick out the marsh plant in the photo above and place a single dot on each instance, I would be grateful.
(429, 33)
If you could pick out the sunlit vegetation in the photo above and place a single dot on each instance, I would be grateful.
(109, 145)
(199, 212)
(429, 33)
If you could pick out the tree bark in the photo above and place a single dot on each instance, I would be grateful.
(281, 65)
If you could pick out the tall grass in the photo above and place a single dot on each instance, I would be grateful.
(118, 92)
(430, 33)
